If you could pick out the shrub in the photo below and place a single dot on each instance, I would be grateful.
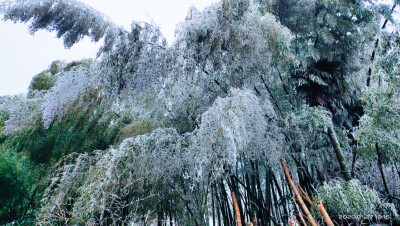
(73, 64)
(352, 199)
(42, 81)
(55, 67)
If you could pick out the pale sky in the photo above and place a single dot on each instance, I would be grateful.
(22, 55)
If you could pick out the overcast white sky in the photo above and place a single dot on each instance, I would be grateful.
(22, 55)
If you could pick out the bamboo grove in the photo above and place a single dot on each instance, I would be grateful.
(280, 112)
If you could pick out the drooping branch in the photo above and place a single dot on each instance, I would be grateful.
(71, 19)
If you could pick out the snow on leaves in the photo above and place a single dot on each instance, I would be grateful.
(72, 20)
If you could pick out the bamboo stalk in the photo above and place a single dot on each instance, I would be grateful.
(376, 46)
(300, 213)
(228, 214)
(296, 192)
(382, 173)
(237, 211)
(292, 221)
(338, 152)
(304, 194)
(324, 214)
(212, 204)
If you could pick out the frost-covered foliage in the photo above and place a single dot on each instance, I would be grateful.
(217, 39)
(308, 122)
(229, 44)
(378, 133)
(111, 187)
(83, 124)
(308, 131)
(68, 92)
(137, 61)
(22, 112)
(352, 199)
(233, 126)
(72, 20)
(70, 168)
(50, 96)
(124, 178)
(379, 124)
